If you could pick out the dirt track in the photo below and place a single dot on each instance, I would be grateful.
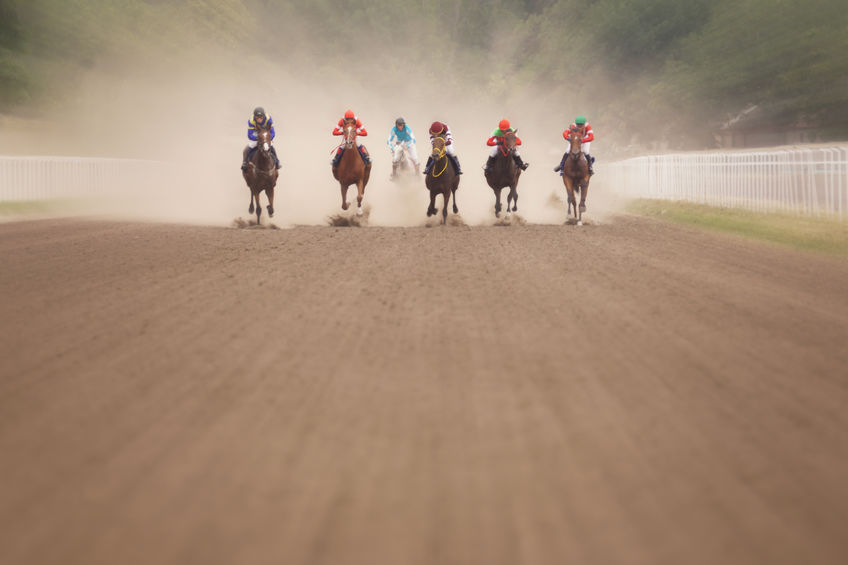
(627, 393)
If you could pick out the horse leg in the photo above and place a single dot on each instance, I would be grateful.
(445, 200)
(431, 209)
(453, 192)
(250, 210)
(497, 202)
(258, 209)
(360, 193)
(345, 205)
(270, 194)
(513, 195)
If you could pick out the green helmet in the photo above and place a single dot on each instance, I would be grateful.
(580, 120)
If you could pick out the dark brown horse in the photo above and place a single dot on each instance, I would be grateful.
(504, 173)
(352, 169)
(575, 175)
(442, 179)
(261, 174)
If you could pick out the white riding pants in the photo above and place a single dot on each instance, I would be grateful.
(413, 153)
(586, 146)
(251, 143)
(450, 149)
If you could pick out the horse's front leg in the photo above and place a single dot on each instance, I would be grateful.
(513, 195)
(360, 194)
(270, 193)
(345, 205)
(445, 201)
(431, 209)
(583, 192)
(497, 202)
(250, 209)
(258, 209)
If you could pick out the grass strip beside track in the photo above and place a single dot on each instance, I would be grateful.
(824, 235)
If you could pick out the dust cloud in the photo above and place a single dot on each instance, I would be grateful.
(191, 114)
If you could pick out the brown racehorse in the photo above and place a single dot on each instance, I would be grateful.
(442, 179)
(504, 172)
(352, 169)
(261, 174)
(575, 175)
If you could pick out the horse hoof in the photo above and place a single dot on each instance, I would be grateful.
(582, 208)
(271, 211)
(250, 210)
(345, 206)
(579, 223)
(359, 211)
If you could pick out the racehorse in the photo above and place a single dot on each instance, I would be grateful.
(575, 174)
(352, 169)
(402, 161)
(442, 179)
(261, 174)
(504, 172)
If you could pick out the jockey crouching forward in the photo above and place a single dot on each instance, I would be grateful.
(497, 141)
(585, 130)
(258, 121)
(350, 119)
(401, 134)
(438, 129)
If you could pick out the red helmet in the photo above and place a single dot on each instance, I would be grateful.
(349, 115)
(436, 128)
(503, 125)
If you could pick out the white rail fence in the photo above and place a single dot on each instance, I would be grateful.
(46, 178)
(811, 181)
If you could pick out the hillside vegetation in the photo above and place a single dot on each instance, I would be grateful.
(665, 69)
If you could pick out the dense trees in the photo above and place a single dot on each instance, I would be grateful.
(673, 66)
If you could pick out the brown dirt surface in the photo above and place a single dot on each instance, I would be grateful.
(630, 392)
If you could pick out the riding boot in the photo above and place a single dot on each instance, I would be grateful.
(365, 157)
(591, 161)
(558, 168)
(521, 164)
(274, 155)
(394, 170)
(429, 166)
(455, 160)
(248, 151)
(489, 163)
(336, 159)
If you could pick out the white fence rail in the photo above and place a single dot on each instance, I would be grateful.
(45, 178)
(811, 181)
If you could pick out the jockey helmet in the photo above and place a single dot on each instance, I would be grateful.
(349, 115)
(400, 122)
(436, 128)
(503, 125)
(580, 120)
(259, 111)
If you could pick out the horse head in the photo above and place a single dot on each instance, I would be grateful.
(575, 138)
(438, 147)
(509, 143)
(263, 139)
(349, 135)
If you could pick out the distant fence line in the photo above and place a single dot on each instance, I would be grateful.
(809, 181)
(46, 178)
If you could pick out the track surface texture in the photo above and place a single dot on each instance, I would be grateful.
(633, 392)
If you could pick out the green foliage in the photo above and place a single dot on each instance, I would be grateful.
(666, 65)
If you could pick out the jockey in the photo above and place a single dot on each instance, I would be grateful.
(259, 121)
(581, 124)
(350, 118)
(401, 134)
(438, 129)
(497, 139)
